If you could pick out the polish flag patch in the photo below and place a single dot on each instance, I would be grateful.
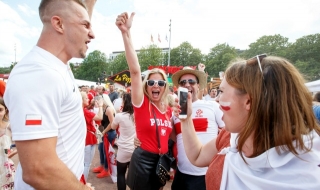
(33, 120)
(225, 105)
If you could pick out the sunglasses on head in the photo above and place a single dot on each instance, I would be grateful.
(257, 59)
(190, 81)
(160, 83)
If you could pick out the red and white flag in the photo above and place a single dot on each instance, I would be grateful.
(159, 38)
(32, 119)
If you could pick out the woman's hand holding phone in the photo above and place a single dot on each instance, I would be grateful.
(183, 111)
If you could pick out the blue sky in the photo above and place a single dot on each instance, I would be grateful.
(203, 23)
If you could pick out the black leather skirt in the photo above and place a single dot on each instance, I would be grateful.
(142, 171)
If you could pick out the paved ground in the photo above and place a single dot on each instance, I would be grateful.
(106, 183)
(98, 183)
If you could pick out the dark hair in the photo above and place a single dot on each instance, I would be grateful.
(127, 104)
(317, 97)
(2, 103)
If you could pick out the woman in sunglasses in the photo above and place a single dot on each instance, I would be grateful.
(148, 99)
(271, 138)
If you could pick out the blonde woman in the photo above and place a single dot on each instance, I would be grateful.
(91, 139)
(150, 113)
(108, 116)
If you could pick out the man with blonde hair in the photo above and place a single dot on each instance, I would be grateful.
(50, 130)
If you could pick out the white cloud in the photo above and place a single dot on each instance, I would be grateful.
(17, 37)
(27, 10)
(203, 23)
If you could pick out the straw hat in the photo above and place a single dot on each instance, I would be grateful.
(188, 70)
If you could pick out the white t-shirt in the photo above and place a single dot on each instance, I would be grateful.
(127, 132)
(44, 101)
(271, 170)
(207, 117)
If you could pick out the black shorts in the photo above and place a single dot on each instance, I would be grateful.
(142, 171)
(183, 181)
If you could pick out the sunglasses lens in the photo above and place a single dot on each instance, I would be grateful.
(161, 83)
(183, 82)
(192, 82)
(150, 82)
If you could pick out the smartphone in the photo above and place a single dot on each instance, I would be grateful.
(183, 98)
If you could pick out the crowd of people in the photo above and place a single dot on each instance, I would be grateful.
(258, 130)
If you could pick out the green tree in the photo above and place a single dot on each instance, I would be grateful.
(304, 53)
(309, 69)
(150, 56)
(185, 55)
(118, 64)
(92, 66)
(218, 58)
(306, 47)
(272, 45)
(5, 70)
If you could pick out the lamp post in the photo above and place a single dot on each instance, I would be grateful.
(169, 43)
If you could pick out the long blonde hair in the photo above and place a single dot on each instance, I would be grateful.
(166, 90)
(107, 102)
(280, 104)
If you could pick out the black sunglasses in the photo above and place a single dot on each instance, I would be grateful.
(190, 81)
(160, 83)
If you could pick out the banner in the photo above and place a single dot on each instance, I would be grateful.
(170, 69)
(122, 78)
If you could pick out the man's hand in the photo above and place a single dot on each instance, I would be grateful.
(12, 153)
(201, 67)
(123, 22)
(136, 142)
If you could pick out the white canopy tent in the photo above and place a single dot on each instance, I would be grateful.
(314, 86)
(85, 82)
(89, 83)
